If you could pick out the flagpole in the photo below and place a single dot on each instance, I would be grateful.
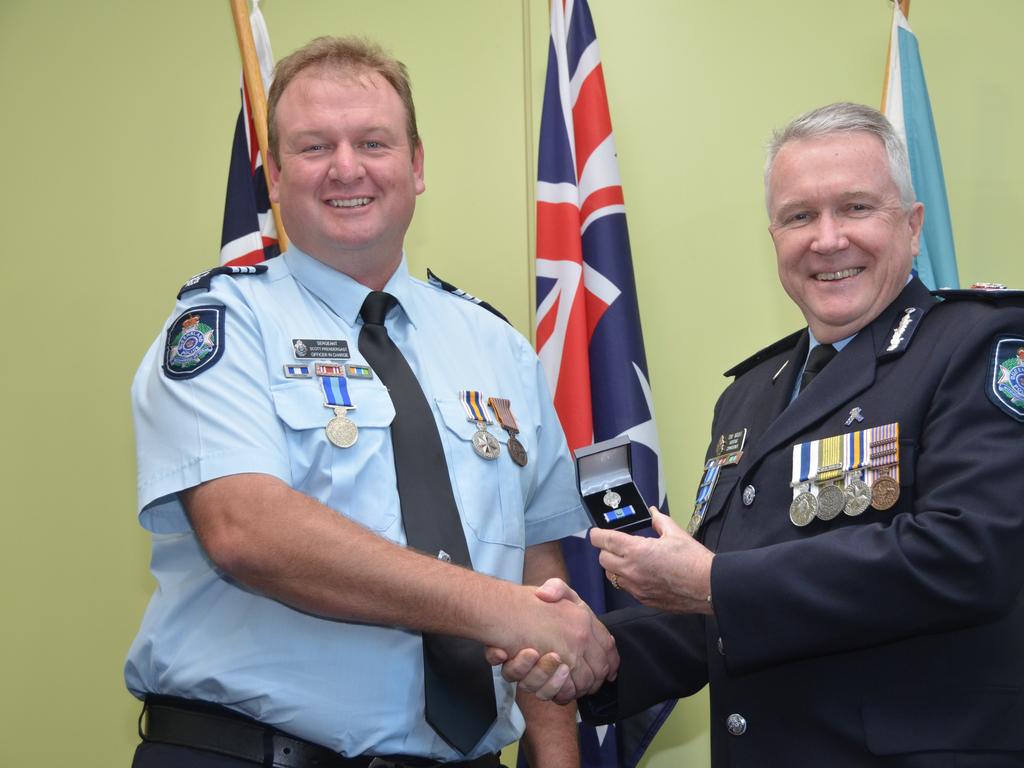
(257, 98)
(905, 8)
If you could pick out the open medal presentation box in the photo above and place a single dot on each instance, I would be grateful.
(605, 474)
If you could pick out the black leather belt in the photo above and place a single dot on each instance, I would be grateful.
(187, 723)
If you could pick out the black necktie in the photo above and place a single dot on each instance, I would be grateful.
(458, 681)
(817, 360)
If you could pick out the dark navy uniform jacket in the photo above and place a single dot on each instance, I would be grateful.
(893, 638)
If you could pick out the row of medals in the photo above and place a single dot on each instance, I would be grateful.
(343, 432)
(855, 495)
(486, 445)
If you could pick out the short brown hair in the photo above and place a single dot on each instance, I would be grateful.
(344, 54)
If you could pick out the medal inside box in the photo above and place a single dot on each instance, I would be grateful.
(604, 472)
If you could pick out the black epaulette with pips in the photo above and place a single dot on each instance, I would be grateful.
(437, 282)
(201, 282)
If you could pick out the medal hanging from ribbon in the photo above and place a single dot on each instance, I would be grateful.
(884, 465)
(341, 430)
(858, 492)
(831, 499)
(503, 410)
(805, 466)
(485, 444)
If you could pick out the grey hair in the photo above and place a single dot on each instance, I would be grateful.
(845, 117)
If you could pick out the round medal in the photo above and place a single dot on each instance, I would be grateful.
(831, 501)
(884, 493)
(341, 430)
(486, 445)
(612, 499)
(803, 509)
(858, 497)
(516, 451)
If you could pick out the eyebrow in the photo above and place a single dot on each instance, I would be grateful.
(799, 204)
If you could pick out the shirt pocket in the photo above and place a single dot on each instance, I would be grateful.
(490, 491)
(349, 480)
(299, 406)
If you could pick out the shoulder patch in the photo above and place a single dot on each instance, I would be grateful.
(201, 282)
(195, 341)
(437, 282)
(770, 351)
(1006, 375)
(990, 292)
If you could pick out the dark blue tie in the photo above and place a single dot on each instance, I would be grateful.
(817, 360)
(458, 681)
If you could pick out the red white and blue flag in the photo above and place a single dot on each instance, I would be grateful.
(588, 321)
(249, 235)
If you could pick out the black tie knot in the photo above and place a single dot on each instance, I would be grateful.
(375, 307)
(817, 360)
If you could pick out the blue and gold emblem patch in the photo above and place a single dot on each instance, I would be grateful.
(195, 342)
(1006, 386)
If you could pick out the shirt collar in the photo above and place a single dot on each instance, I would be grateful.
(343, 295)
(837, 344)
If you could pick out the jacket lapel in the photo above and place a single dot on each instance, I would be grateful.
(851, 372)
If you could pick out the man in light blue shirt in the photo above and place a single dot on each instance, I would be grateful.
(286, 626)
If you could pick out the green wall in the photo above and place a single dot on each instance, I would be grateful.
(117, 117)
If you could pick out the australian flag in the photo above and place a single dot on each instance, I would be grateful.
(588, 321)
(249, 234)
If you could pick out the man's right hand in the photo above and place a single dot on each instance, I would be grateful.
(582, 653)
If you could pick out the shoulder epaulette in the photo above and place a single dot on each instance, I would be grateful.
(202, 280)
(437, 282)
(770, 351)
(991, 292)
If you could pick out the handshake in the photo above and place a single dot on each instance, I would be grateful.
(671, 573)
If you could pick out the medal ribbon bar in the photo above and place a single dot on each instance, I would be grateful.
(335, 392)
(472, 403)
(503, 410)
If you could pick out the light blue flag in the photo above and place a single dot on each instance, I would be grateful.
(909, 110)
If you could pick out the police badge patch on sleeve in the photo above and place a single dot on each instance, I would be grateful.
(1006, 382)
(195, 341)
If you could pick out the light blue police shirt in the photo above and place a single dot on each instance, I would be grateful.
(355, 688)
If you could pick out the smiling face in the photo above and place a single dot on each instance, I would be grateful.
(844, 243)
(347, 179)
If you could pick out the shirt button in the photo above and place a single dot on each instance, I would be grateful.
(721, 647)
(736, 724)
(749, 493)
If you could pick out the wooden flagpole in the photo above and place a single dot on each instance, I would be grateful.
(905, 8)
(257, 98)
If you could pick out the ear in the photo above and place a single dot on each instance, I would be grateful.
(916, 221)
(417, 168)
(274, 175)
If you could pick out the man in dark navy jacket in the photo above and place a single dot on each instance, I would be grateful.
(852, 588)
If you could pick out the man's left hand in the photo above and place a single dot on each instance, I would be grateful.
(671, 573)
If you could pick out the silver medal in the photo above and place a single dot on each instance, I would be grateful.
(486, 445)
(858, 497)
(831, 501)
(341, 430)
(612, 499)
(803, 509)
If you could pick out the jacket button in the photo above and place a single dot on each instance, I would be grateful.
(749, 493)
(736, 724)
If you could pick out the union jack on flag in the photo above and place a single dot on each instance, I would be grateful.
(249, 235)
(588, 321)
